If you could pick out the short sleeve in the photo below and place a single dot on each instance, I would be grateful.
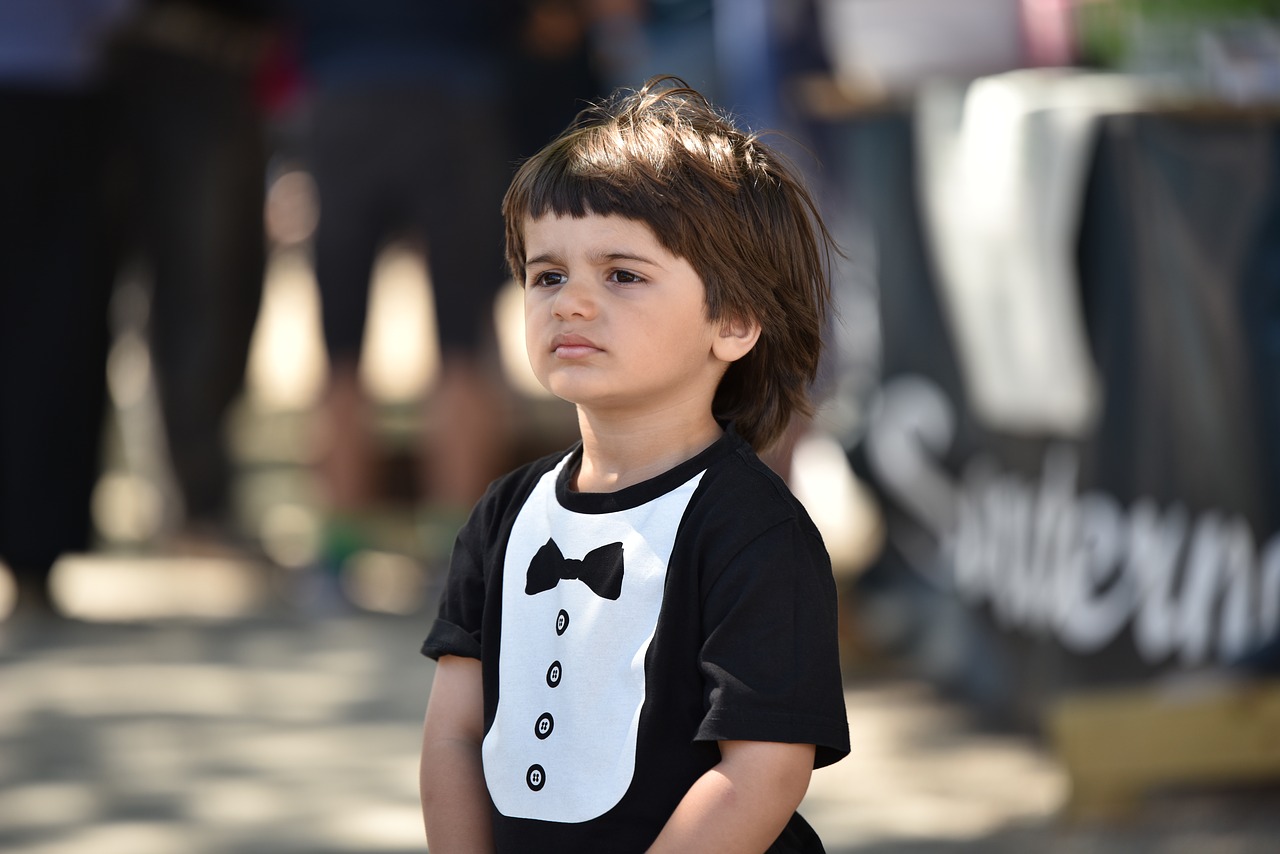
(456, 630)
(770, 656)
(476, 562)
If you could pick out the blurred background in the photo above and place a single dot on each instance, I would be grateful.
(259, 356)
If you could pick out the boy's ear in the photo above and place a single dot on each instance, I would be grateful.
(735, 339)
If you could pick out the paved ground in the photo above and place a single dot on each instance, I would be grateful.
(275, 733)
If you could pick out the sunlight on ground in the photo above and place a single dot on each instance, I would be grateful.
(111, 588)
(302, 737)
(377, 827)
(917, 773)
(124, 837)
(104, 587)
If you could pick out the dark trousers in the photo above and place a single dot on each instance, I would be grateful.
(188, 173)
(417, 161)
(54, 288)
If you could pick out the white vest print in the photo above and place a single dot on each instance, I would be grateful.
(571, 679)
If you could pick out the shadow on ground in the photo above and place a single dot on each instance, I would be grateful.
(277, 732)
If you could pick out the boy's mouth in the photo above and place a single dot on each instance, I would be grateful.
(573, 346)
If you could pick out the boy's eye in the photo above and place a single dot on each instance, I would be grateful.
(548, 279)
(625, 277)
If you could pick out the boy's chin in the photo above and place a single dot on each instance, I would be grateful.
(570, 392)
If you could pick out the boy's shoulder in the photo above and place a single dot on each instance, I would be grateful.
(747, 526)
(744, 495)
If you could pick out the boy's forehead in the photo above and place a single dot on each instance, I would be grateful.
(566, 227)
(589, 217)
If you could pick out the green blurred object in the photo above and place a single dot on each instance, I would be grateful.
(344, 536)
(1139, 34)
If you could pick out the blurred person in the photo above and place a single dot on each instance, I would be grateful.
(53, 283)
(406, 138)
(187, 193)
(635, 40)
(551, 71)
(620, 663)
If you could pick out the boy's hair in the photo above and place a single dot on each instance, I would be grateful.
(720, 199)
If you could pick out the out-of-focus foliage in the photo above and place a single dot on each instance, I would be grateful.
(1109, 29)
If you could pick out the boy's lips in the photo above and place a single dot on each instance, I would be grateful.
(572, 346)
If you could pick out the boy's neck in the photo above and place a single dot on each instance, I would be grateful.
(619, 454)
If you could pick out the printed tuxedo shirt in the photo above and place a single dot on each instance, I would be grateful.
(622, 635)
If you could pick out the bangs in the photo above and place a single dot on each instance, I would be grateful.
(575, 186)
(662, 156)
(600, 169)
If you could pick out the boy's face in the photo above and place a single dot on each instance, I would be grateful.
(614, 322)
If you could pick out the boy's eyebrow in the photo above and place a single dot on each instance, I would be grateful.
(622, 255)
(595, 258)
(544, 258)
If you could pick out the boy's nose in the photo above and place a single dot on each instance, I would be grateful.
(573, 299)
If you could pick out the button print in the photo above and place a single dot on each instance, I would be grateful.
(544, 725)
(536, 777)
(553, 674)
(562, 621)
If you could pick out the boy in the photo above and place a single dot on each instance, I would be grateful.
(637, 642)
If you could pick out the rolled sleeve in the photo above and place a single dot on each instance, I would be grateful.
(770, 658)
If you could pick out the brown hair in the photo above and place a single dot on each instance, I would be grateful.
(717, 197)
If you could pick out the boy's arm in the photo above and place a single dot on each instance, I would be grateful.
(743, 803)
(455, 801)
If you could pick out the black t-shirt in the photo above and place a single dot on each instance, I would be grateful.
(622, 635)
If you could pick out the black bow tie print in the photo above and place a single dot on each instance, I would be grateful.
(600, 569)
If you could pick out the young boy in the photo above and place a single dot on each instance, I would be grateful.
(637, 642)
